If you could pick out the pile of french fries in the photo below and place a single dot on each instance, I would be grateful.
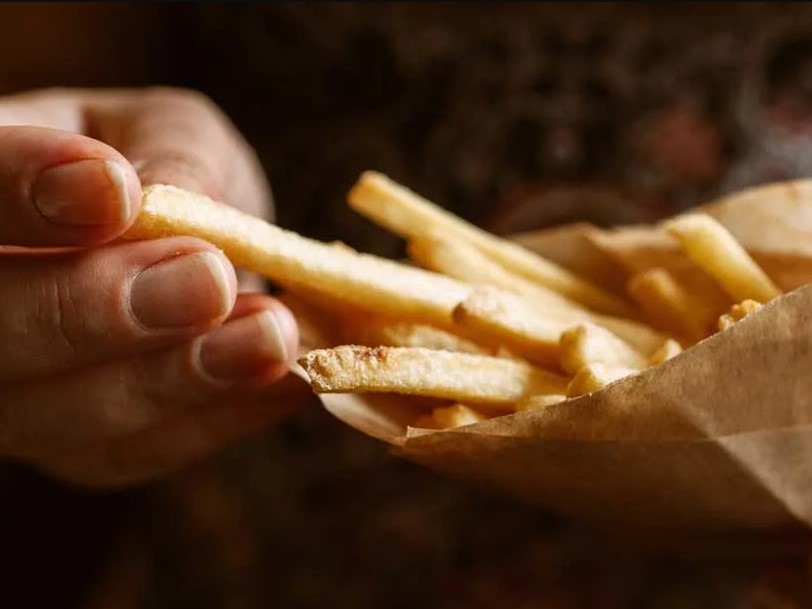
(480, 324)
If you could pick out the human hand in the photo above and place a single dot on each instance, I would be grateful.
(120, 361)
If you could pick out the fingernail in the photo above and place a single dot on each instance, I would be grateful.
(92, 192)
(244, 347)
(185, 291)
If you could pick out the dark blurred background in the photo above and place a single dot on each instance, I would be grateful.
(516, 116)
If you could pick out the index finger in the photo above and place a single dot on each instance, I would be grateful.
(181, 138)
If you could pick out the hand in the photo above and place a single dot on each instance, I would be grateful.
(120, 361)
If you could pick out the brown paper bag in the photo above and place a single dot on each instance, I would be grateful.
(716, 441)
(714, 444)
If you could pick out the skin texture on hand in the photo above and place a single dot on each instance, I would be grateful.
(121, 361)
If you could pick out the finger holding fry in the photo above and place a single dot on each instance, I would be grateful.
(364, 281)
(489, 324)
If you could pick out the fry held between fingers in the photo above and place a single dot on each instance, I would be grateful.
(492, 298)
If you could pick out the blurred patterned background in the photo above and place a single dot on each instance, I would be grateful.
(516, 116)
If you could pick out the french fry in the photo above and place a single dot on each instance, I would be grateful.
(540, 401)
(587, 344)
(594, 377)
(495, 317)
(712, 247)
(670, 306)
(410, 216)
(725, 321)
(639, 247)
(642, 248)
(476, 379)
(640, 336)
(465, 262)
(364, 281)
(669, 349)
(373, 331)
(570, 246)
(456, 415)
(498, 318)
(340, 245)
(738, 312)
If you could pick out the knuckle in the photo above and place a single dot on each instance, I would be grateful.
(179, 167)
(189, 99)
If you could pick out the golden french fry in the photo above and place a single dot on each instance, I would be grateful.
(498, 318)
(671, 306)
(373, 331)
(340, 245)
(586, 344)
(641, 248)
(669, 349)
(774, 224)
(738, 312)
(462, 261)
(570, 246)
(364, 281)
(476, 379)
(466, 263)
(725, 321)
(640, 336)
(456, 415)
(594, 377)
(410, 216)
(713, 248)
(540, 401)
(495, 317)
